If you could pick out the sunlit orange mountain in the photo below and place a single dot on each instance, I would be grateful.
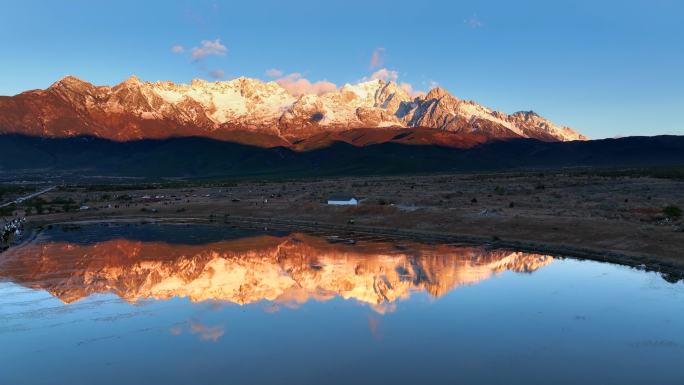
(286, 270)
(264, 114)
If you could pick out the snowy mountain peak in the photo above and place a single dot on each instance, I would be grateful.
(132, 81)
(437, 93)
(70, 82)
(365, 90)
(135, 109)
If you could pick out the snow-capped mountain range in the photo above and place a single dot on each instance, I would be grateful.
(246, 109)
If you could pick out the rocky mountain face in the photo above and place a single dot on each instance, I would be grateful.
(256, 112)
(287, 270)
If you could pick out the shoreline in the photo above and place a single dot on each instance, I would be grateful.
(616, 219)
(672, 272)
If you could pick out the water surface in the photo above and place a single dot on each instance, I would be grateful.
(215, 305)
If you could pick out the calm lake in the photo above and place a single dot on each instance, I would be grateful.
(179, 304)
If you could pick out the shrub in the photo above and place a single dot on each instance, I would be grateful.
(68, 207)
(7, 211)
(672, 212)
(62, 201)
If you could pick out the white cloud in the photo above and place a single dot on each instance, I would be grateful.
(177, 49)
(217, 74)
(408, 88)
(274, 73)
(209, 48)
(377, 58)
(385, 74)
(297, 85)
(473, 22)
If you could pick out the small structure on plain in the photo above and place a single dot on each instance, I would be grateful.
(342, 200)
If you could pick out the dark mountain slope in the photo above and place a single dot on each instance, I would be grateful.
(203, 157)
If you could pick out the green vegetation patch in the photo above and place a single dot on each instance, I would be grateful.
(672, 212)
(12, 190)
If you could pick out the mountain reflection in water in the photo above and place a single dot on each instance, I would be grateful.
(287, 270)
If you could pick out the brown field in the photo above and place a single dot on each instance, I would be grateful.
(599, 217)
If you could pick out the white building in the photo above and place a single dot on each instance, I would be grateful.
(342, 200)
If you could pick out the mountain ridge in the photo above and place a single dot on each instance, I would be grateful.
(199, 157)
(133, 110)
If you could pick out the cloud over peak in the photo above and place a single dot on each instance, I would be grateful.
(297, 85)
(385, 74)
(388, 75)
(408, 88)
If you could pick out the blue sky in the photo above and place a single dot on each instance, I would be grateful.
(606, 68)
